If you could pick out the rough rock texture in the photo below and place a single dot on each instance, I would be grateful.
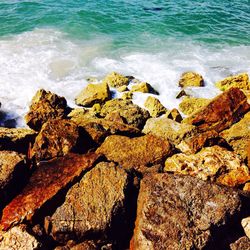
(127, 95)
(144, 151)
(240, 81)
(154, 107)
(116, 80)
(93, 93)
(174, 114)
(246, 226)
(122, 88)
(212, 163)
(92, 204)
(143, 87)
(131, 113)
(17, 238)
(191, 79)
(241, 244)
(16, 139)
(238, 136)
(221, 112)
(44, 106)
(190, 105)
(168, 129)
(180, 212)
(56, 138)
(181, 94)
(46, 181)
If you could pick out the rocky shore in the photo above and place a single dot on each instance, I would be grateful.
(113, 175)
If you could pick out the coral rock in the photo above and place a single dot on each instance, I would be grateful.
(191, 79)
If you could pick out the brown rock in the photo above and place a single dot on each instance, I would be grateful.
(44, 184)
(191, 79)
(45, 105)
(91, 205)
(212, 163)
(175, 115)
(144, 151)
(116, 80)
(154, 107)
(56, 138)
(93, 93)
(180, 212)
(241, 244)
(221, 112)
(144, 87)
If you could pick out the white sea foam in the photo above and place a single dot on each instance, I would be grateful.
(47, 58)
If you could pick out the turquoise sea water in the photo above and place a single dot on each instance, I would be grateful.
(56, 45)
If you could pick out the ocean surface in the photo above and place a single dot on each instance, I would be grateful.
(57, 45)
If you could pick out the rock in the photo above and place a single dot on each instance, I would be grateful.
(221, 112)
(166, 128)
(127, 95)
(144, 87)
(174, 114)
(246, 226)
(238, 136)
(122, 88)
(154, 106)
(248, 155)
(181, 94)
(212, 163)
(191, 79)
(46, 181)
(241, 244)
(180, 212)
(56, 138)
(44, 106)
(16, 139)
(116, 80)
(131, 113)
(17, 238)
(92, 205)
(190, 105)
(86, 245)
(135, 153)
(247, 187)
(240, 81)
(92, 94)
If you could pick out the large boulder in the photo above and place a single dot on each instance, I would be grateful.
(212, 163)
(221, 112)
(191, 79)
(116, 80)
(240, 81)
(45, 183)
(130, 113)
(242, 243)
(181, 212)
(92, 205)
(135, 153)
(16, 139)
(154, 107)
(238, 136)
(56, 138)
(93, 93)
(44, 106)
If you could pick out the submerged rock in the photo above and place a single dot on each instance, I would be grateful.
(116, 80)
(191, 79)
(154, 107)
(44, 106)
(180, 212)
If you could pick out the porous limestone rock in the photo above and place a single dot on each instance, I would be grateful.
(191, 79)
(154, 107)
(116, 80)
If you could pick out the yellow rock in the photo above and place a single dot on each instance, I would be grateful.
(191, 79)
(116, 80)
(144, 87)
(127, 95)
(175, 115)
(154, 107)
(122, 88)
(240, 81)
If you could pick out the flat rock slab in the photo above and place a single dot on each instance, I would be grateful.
(178, 212)
(44, 184)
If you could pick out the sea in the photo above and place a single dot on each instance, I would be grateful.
(58, 44)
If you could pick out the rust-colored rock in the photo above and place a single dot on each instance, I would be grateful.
(180, 212)
(44, 106)
(241, 244)
(47, 180)
(144, 151)
(56, 138)
(221, 112)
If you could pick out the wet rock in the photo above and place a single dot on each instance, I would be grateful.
(44, 106)
(166, 128)
(56, 138)
(246, 226)
(212, 163)
(116, 80)
(241, 244)
(93, 93)
(240, 81)
(221, 112)
(131, 113)
(46, 181)
(17, 238)
(16, 139)
(144, 87)
(91, 205)
(191, 79)
(174, 114)
(136, 153)
(154, 107)
(180, 212)
(190, 105)
(238, 136)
